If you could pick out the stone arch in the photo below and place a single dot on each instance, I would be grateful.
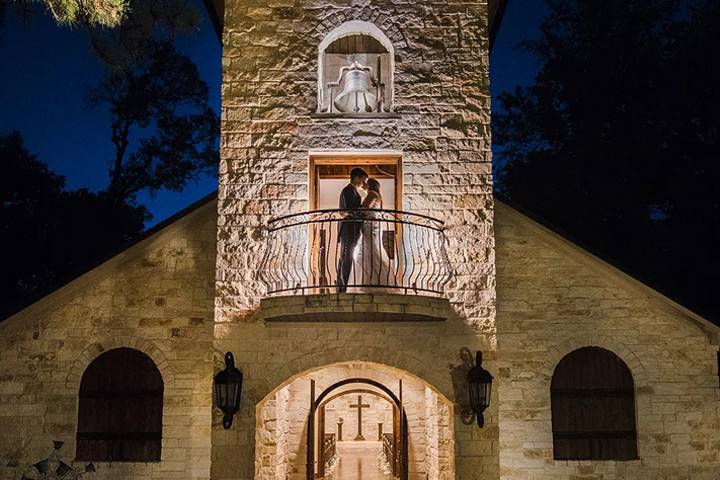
(92, 351)
(370, 15)
(282, 416)
(433, 375)
(352, 27)
(557, 353)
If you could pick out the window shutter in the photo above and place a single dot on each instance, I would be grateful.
(593, 407)
(120, 411)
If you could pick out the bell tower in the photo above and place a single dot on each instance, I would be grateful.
(312, 91)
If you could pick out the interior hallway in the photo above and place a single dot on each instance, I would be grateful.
(359, 461)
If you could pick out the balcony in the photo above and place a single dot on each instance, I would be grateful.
(355, 266)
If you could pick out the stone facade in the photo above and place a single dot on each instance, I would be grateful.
(191, 292)
(441, 131)
(553, 298)
(155, 297)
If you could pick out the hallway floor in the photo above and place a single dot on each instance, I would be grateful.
(359, 461)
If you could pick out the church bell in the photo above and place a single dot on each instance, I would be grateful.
(357, 95)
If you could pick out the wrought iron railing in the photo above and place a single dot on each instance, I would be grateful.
(355, 251)
(388, 441)
(329, 450)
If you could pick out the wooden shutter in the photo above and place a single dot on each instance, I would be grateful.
(593, 407)
(120, 411)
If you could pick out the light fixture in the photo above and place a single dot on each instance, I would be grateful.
(480, 385)
(228, 387)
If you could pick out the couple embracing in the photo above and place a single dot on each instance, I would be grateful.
(360, 235)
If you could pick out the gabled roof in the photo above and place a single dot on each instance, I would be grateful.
(496, 9)
(583, 256)
(151, 234)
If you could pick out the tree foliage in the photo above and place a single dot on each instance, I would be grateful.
(163, 130)
(616, 141)
(165, 135)
(150, 22)
(105, 13)
(49, 233)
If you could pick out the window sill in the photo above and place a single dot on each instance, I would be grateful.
(354, 116)
(115, 462)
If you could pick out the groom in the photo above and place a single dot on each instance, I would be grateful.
(350, 227)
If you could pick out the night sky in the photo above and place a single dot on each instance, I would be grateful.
(47, 74)
(48, 71)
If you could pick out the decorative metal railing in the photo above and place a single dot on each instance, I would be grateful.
(388, 441)
(355, 251)
(329, 449)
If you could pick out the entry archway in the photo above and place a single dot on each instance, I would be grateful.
(315, 451)
(281, 435)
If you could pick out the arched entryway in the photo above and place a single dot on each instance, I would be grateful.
(293, 420)
(395, 447)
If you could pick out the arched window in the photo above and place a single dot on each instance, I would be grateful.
(355, 70)
(593, 407)
(120, 412)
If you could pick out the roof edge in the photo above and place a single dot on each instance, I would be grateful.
(67, 285)
(607, 269)
(215, 18)
(496, 20)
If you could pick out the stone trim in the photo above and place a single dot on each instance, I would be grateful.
(311, 362)
(557, 353)
(163, 232)
(92, 351)
(375, 16)
(354, 307)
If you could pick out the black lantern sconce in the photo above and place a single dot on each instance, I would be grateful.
(480, 385)
(228, 387)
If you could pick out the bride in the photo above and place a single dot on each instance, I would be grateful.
(375, 264)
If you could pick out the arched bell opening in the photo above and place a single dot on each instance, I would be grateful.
(290, 437)
(356, 63)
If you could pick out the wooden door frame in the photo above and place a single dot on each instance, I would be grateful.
(358, 158)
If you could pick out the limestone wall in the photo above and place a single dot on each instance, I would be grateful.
(155, 297)
(442, 132)
(379, 411)
(552, 299)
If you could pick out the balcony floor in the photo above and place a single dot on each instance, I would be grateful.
(354, 307)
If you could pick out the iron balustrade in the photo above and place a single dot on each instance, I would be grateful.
(393, 251)
(329, 449)
(388, 441)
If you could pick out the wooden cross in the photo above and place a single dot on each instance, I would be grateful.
(359, 406)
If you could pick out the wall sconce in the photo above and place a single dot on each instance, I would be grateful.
(480, 385)
(228, 388)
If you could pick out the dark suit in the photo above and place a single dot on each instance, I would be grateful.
(348, 235)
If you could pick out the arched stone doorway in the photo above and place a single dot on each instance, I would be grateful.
(396, 451)
(291, 423)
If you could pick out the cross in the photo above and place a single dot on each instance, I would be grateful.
(359, 406)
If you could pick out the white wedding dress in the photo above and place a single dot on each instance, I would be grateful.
(374, 261)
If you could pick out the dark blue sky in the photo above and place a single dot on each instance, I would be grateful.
(48, 71)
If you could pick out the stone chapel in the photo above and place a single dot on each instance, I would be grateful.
(356, 311)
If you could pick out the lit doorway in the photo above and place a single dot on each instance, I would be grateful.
(329, 174)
